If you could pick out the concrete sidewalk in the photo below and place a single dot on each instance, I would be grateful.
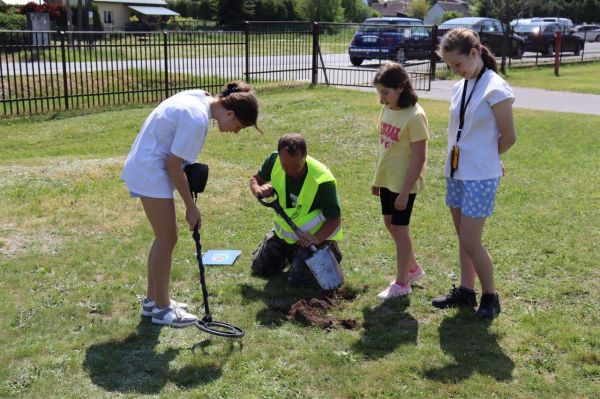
(528, 98)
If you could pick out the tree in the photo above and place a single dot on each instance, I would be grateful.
(207, 9)
(590, 11)
(505, 11)
(450, 15)
(418, 8)
(272, 10)
(321, 10)
(233, 13)
(356, 10)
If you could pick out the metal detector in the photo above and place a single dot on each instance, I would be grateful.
(207, 324)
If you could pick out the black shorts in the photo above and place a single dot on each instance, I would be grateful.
(399, 218)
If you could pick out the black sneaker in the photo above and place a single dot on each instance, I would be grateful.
(489, 307)
(457, 297)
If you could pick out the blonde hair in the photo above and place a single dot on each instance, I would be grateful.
(463, 40)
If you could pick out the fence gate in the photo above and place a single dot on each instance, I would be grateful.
(279, 51)
(319, 53)
(373, 45)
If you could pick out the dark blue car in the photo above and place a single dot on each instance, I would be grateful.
(390, 38)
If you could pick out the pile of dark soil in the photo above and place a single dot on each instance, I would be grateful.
(316, 311)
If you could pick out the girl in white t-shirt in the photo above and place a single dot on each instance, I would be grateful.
(173, 134)
(481, 128)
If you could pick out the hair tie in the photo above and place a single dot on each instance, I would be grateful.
(229, 90)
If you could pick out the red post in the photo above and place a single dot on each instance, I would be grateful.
(557, 42)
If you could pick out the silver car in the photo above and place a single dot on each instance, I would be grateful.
(590, 33)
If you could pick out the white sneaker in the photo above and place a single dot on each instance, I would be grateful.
(394, 290)
(173, 316)
(148, 306)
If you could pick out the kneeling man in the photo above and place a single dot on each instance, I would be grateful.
(307, 193)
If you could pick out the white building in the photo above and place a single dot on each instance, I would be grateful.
(434, 15)
(116, 13)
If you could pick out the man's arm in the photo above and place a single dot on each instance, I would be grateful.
(323, 234)
(328, 201)
(259, 187)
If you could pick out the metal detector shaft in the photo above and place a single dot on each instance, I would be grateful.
(196, 236)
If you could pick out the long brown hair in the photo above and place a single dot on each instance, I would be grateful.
(238, 97)
(394, 76)
(463, 40)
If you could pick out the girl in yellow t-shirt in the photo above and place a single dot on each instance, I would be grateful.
(400, 168)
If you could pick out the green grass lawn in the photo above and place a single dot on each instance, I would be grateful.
(579, 78)
(576, 77)
(73, 247)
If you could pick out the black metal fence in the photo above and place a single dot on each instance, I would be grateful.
(53, 71)
(74, 70)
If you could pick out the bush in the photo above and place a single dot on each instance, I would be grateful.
(13, 22)
(448, 15)
(9, 41)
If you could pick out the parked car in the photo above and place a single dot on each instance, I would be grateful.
(566, 22)
(539, 37)
(491, 34)
(390, 38)
(590, 33)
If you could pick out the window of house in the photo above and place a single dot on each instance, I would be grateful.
(108, 17)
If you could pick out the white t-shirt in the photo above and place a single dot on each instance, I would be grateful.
(177, 126)
(478, 145)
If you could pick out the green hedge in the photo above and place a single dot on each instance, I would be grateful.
(13, 21)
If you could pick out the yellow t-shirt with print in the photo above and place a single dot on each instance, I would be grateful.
(397, 129)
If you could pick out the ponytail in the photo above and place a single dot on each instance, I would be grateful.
(488, 58)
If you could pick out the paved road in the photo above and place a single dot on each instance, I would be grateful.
(528, 98)
(231, 66)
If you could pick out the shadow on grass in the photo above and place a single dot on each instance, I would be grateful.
(132, 365)
(278, 297)
(474, 348)
(386, 327)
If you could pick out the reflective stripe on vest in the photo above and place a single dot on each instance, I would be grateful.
(307, 221)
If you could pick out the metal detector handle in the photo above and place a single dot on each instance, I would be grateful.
(277, 207)
(196, 236)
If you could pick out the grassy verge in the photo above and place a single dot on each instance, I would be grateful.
(576, 77)
(579, 78)
(73, 248)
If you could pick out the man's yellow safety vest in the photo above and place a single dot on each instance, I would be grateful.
(305, 220)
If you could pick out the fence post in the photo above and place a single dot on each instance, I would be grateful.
(165, 48)
(64, 68)
(247, 49)
(433, 61)
(557, 52)
(315, 64)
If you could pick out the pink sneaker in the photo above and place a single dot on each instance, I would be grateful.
(394, 290)
(416, 274)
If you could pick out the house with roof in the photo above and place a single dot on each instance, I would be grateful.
(435, 13)
(391, 8)
(115, 14)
